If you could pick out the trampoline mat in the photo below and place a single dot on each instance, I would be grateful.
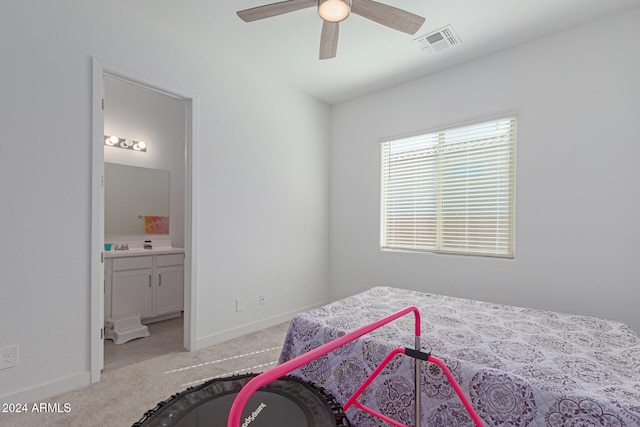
(288, 401)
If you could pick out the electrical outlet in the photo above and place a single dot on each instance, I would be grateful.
(9, 357)
(262, 299)
(240, 304)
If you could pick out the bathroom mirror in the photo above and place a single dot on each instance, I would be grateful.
(135, 196)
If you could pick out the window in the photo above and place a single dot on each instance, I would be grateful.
(451, 191)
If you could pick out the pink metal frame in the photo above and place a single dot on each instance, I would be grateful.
(353, 399)
(295, 363)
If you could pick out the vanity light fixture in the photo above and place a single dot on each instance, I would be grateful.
(114, 141)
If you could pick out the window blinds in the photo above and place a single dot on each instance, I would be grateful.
(451, 191)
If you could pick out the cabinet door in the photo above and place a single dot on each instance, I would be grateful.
(132, 292)
(169, 292)
(107, 287)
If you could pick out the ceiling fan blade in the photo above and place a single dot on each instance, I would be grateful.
(389, 16)
(329, 40)
(274, 9)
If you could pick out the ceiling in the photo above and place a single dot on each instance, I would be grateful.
(370, 56)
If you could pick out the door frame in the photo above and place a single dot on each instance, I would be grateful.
(100, 69)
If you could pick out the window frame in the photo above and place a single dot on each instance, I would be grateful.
(510, 176)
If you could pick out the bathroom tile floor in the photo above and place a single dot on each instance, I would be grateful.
(166, 337)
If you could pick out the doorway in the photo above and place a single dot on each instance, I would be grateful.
(109, 79)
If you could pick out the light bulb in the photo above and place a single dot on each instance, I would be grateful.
(112, 140)
(334, 10)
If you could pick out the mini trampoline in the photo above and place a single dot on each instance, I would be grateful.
(274, 398)
(287, 401)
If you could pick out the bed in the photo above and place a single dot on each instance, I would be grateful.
(517, 366)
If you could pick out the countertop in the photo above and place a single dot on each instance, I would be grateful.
(143, 252)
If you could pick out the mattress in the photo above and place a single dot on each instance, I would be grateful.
(517, 366)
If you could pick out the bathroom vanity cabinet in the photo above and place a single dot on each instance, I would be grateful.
(151, 284)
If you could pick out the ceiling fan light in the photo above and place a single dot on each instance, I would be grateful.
(334, 10)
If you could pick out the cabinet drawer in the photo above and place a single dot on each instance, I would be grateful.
(172, 259)
(132, 263)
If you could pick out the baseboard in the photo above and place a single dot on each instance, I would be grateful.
(228, 334)
(47, 390)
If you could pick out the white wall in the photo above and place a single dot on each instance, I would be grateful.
(139, 114)
(262, 182)
(577, 201)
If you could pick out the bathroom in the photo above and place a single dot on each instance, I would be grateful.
(140, 185)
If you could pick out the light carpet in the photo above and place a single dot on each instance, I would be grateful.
(123, 395)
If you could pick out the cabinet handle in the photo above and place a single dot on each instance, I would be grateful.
(149, 280)
(159, 279)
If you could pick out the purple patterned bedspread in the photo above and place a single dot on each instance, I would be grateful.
(517, 366)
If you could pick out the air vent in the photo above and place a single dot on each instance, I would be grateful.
(438, 40)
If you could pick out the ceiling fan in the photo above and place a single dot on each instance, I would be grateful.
(334, 11)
